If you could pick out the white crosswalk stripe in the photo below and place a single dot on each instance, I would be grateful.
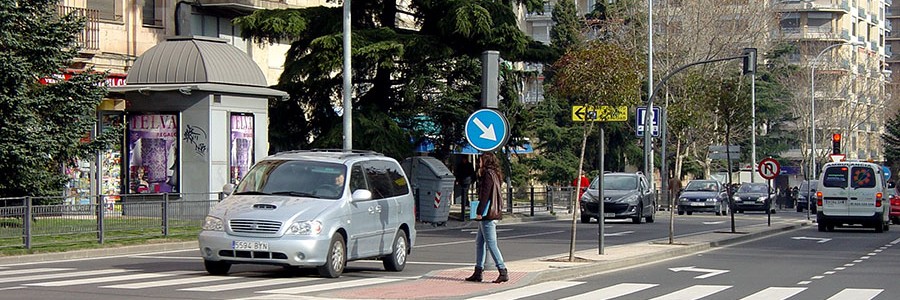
(169, 282)
(611, 292)
(99, 280)
(775, 293)
(30, 271)
(856, 294)
(693, 292)
(62, 275)
(543, 287)
(248, 284)
(331, 286)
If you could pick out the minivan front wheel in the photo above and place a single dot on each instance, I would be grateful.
(216, 267)
(396, 261)
(336, 259)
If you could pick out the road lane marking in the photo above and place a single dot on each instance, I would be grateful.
(331, 286)
(528, 291)
(614, 291)
(12, 288)
(248, 284)
(849, 265)
(693, 292)
(857, 261)
(168, 257)
(804, 282)
(856, 294)
(774, 293)
(840, 268)
(828, 273)
(817, 277)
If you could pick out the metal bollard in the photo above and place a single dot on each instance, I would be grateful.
(165, 215)
(532, 201)
(26, 223)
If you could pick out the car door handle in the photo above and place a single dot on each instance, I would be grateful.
(371, 209)
(378, 208)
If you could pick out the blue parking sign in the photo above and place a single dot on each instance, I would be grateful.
(487, 130)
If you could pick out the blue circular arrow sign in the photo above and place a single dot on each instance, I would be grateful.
(487, 130)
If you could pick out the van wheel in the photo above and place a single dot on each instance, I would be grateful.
(879, 228)
(822, 227)
(336, 260)
(680, 212)
(397, 260)
(216, 267)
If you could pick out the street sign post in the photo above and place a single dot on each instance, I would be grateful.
(641, 119)
(769, 168)
(581, 113)
(487, 130)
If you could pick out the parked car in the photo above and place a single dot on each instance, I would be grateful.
(703, 196)
(895, 203)
(754, 197)
(626, 195)
(852, 193)
(806, 195)
(295, 209)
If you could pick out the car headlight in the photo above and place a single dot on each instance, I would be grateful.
(588, 198)
(712, 199)
(633, 199)
(213, 224)
(761, 199)
(683, 200)
(736, 198)
(305, 228)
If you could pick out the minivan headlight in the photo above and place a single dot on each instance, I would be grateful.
(305, 228)
(213, 224)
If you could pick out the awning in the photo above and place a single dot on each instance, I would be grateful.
(202, 87)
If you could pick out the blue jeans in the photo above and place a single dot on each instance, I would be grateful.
(487, 238)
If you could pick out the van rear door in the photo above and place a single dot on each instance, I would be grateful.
(863, 183)
(834, 190)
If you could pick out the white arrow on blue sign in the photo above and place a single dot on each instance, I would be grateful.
(487, 130)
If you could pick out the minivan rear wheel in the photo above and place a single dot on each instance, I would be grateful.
(336, 258)
(396, 261)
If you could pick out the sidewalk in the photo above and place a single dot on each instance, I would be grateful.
(449, 284)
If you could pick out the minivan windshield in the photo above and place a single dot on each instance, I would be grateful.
(707, 186)
(617, 182)
(297, 178)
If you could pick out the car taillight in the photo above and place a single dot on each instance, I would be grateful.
(878, 197)
(819, 198)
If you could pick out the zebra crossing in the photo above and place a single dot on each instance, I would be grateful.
(699, 291)
(251, 286)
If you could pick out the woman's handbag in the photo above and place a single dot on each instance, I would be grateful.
(495, 211)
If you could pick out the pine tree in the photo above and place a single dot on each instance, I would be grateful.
(42, 125)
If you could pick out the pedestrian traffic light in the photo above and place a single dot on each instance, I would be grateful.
(749, 60)
(836, 143)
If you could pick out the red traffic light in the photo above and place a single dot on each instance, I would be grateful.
(836, 137)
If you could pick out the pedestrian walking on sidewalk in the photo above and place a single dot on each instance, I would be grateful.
(488, 211)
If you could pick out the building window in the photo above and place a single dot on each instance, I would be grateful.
(153, 12)
(219, 27)
(110, 10)
(790, 22)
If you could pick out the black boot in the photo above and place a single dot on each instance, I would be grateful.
(504, 276)
(476, 277)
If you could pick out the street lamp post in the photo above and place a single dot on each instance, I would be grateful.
(812, 102)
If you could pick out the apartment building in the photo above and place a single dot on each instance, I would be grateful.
(844, 40)
(118, 31)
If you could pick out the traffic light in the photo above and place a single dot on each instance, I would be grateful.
(749, 60)
(836, 143)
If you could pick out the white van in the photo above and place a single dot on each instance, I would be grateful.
(852, 193)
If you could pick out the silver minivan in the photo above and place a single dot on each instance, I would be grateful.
(316, 208)
(852, 193)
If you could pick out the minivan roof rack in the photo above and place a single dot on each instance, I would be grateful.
(347, 153)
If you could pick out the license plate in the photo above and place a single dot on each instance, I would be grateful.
(835, 202)
(609, 215)
(698, 204)
(245, 245)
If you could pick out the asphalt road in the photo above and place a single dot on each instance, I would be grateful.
(180, 275)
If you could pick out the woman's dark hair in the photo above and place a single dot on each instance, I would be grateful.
(489, 162)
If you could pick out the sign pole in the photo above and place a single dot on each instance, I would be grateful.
(601, 219)
(769, 202)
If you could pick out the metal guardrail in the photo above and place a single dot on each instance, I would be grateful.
(27, 222)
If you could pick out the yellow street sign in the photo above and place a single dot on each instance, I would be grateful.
(600, 114)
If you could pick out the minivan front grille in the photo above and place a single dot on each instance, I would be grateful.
(255, 226)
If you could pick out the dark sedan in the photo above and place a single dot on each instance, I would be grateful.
(703, 196)
(626, 195)
(753, 197)
(805, 193)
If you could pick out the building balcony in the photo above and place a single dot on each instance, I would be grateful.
(814, 33)
(861, 13)
(242, 7)
(89, 37)
(541, 16)
(818, 5)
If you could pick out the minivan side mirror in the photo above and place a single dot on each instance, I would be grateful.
(361, 195)
(228, 189)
